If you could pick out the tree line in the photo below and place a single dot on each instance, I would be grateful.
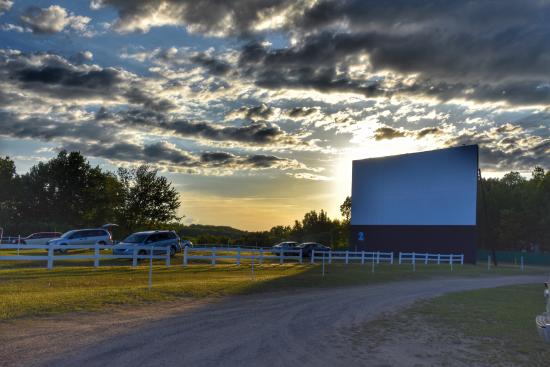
(67, 192)
(514, 211)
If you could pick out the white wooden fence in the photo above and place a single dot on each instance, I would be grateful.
(214, 254)
(414, 257)
(237, 254)
(351, 256)
(54, 253)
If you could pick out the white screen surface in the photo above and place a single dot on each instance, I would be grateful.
(429, 188)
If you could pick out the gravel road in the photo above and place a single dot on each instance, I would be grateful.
(306, 328)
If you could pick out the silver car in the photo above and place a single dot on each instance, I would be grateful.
(158, 240)
(90, 236)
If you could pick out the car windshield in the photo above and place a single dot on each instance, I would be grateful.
(67, 234)
(136, 238)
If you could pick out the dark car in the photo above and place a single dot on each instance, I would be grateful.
(286, 245)
(308, 247)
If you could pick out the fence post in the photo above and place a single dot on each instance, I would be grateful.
(50, 257)
(253, 259)
(185, 256)
(261, 256)
(213, 256)
(400, 258)
(462, 259)
(378, 257)
(347, 256)
(426, 258)
(168, 256)
(363, 257)
(150, 267)
(134, 257)
(391, 259)
(18, 243)
(312, 256)
(522, 268)
(488, 262)
(330, 257)
(414, 261)
(239, 255)
(452, 261)
(372, 270)
(96, 255)
(438, 259)
(301, 260)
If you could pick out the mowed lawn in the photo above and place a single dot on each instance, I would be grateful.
(31, 291)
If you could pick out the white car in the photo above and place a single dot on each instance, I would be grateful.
(40, 238)
(83, 237)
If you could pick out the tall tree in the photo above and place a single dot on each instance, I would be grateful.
(147, 198)
(345, 209)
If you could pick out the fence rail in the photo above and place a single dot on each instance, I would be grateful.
(58, 253)
(237, 254)
(414, 257)
(350, 256)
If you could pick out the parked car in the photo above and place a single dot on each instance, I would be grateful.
(90, 236)
(286, 245)
(186, 243)
(39, 238)
(160, 239)
(308, 247)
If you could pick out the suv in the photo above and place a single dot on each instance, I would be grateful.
(83, 237)
(160, 239)
(308, 247)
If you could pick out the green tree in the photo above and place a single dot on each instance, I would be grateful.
(345, 209)
(147, 198)
(9, 193)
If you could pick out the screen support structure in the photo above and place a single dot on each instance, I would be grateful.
(488, 228)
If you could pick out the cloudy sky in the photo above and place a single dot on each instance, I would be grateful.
(255, 108)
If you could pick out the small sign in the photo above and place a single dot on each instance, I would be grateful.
(361, 236)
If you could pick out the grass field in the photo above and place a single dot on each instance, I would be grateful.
(31, 291)
(487, 327)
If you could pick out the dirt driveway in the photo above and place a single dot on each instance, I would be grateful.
(307, 328)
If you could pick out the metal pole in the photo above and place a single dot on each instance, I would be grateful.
(522, 267)
(253, 278)
(151, 268)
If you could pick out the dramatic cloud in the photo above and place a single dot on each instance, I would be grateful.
(260, 133)
(53, 19)
(55, 77)
(212, 17)
(387, 133)
(99, 139)
(507, 147)
(261, 112)
(428, 131)
(5, 5)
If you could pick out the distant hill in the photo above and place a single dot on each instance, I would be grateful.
(197, 230)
